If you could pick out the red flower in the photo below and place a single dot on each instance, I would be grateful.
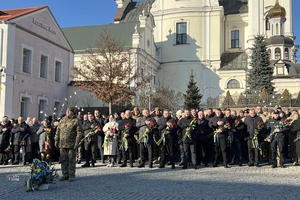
(287, 121)
(260, 123)
(127, 125)
(237, 122)
(99, 128)
(152, 123)
(172, 125)
(6, 151)
(195, 118)
(228, 125)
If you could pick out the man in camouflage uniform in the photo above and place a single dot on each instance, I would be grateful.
(67, 138)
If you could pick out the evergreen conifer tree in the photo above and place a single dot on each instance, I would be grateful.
(192, 98)
(261, 73)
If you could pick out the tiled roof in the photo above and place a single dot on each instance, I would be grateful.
(234, 6)
(279, 39)
(234, 61)
(292, 68)
(134, 10)
(6, 15)
(82, 37)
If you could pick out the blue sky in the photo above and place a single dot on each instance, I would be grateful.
(94, 12)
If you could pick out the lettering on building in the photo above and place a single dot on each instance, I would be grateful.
(44, 26)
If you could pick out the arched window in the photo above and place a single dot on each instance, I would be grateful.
(286, 54)
(272, 30)
(277, 53)
(233, 83)
(269, 52)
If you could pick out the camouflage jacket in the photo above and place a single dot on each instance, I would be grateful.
(69, 132)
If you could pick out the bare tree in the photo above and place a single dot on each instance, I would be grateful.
(108, 72)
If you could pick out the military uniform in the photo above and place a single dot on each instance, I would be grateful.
(68, 136)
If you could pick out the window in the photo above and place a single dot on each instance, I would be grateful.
(233, 83)
(235, 39)
(286, 54)
(276, 29)
(181, 33)
(27, 61)
(277, 53)
(272, 30)
(280, 68)
(58, 68)
(44, 67)
(267, 23)
(24, 107)
(42, 107)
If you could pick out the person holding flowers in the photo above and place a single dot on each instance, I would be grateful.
(92, 127)
(110, 144)
(147, 126)
(202, 140)
(295, 133)
(254, 128)
(278, 128)
(168, 131)
(45, 134)
(127, 127)
(220, 126)
(5, 147)
(189, 132)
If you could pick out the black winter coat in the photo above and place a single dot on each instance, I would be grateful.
(132, 130)
(162, 125)
(252, 124)
(213, 125)
(4, 136)
(184, 123)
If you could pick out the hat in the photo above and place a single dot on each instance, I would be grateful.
(246, 111)
(136, 109)
(179, 112)
(276, 112)
(156, 109)
(71, 109)
(265, 110)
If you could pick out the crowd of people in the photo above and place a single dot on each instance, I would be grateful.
(188, 138)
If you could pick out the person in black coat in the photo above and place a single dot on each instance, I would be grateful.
(295, 131)
(20, 133)
(90, 147)
(276, 127)
(202, 140)
(220, 125)
(146, 142)
(5, 129)
(127, 124)
(189, 142)
(167, 126)
(251, 122)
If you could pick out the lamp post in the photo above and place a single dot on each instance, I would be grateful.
(149, 91)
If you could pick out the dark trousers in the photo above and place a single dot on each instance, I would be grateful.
(3, 157)
(168, 148)
(90, 151)
(202, 151)
(278, 141)
(189, 147)
(100, 143)
(35, 150)
(143, 152)
(252, 159)
(128, 153)
(17, 155)
(235, 152)
(223, 148)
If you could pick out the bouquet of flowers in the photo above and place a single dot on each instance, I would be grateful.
(124, 144)
(7, 150)
(144, 137)
(170, 126)
(47, 143)
(88, 136)
(216, 136)
(40, 173)
(189, 129)
(109, 136)
(281, 125)
(237, 123)
(255, 143)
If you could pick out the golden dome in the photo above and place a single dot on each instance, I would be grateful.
(277, 11)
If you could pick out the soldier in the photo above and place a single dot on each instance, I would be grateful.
(142, 123)
(90, 147)
(127, 127)
(67, 138)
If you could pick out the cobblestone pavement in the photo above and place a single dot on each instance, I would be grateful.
(100, 182)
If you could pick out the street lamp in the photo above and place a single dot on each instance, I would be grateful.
(149, 91)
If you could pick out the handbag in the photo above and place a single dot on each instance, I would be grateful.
(23, 143)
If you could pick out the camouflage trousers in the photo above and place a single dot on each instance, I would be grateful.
(68, 162)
